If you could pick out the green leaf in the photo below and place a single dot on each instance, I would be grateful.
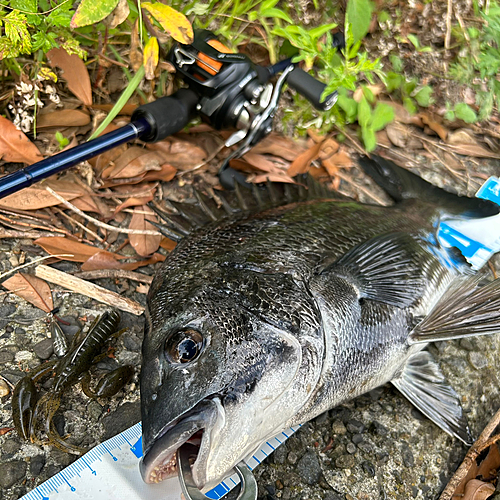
(268, 4)
(393, 81)
(414, 40)
(397, 63)
(364, 112)
(278, 13)
(92, 11)
(321, 30)
(349, 106)
(423, 96)
(382, 115)
(368, 94)
(123, 99)
(409, 105)
(465, 112)
(449, 115)
(369, 138)
(359, 13)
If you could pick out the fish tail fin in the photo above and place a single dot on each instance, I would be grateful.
(466, 309)
(401, 184)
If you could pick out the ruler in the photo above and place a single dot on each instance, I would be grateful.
(111, 471)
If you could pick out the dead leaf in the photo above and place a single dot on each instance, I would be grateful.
(141, 288)
(15, 146)
(336, 161)
(80, 252)
(37, 197)
(104, 160)
(87, 204)
(134, 162)
(144, 244)
(74, 72)
(168, 244)
(181, 154)
(133, 202)
(278, 145)
(119, 15)
(478, 490)
(172, 21)
(151, 57)
(461, 136)
(63, 118)
(302, 163)
(402, 136)
(272, 178)
(32, 289)
(127, 110)
(376, 90)
(473, 150)
(135, 54)
(434, 125)
(266, 163)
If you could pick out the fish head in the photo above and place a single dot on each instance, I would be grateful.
(218, 374)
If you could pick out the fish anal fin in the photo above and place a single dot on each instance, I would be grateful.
(386, 269)
(466, 309)
(425, 386)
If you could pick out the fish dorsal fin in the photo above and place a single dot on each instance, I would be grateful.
(385, 268)
(186, 217)
(401, 184)
(423, 383)
(466, 309)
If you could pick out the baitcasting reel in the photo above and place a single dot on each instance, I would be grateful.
(226, 89)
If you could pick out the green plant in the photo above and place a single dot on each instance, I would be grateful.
(61, 140)
(27, 26)
(478, 63)
(462, 111)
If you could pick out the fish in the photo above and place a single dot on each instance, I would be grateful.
(296, 300)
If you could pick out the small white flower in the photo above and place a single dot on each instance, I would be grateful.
(50, 90)
(54, 98)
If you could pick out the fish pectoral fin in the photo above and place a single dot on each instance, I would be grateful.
(423, 383)
(385, 268)
(466, 309)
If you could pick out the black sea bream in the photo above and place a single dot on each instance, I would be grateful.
(269, 316)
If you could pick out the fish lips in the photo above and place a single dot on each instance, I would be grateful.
(160, 462)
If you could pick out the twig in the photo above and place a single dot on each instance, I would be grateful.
(79, 224)
(67, 204)
(6, 233)
(354, 142)
(482, 443)
(449, 13)
(453, 172)
(88, 289)
(114, 273)
(36, 261)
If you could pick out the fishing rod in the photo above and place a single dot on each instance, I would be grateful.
(226, 89)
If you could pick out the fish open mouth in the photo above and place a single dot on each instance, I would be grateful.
(160, 461)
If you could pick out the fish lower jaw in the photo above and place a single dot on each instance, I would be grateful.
(163, 471)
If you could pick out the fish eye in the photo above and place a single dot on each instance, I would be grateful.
(184, 346)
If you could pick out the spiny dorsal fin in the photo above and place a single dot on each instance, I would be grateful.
(188, 216)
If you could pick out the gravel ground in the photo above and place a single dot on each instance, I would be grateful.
(376, 446)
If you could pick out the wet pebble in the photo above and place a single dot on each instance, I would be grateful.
(357, 438)
(292, 457)
(478, 360)
(351, 448)
(4, 388)
(12, 472)
(338, 428)
(124, 417)
(308, 468)
(280, 454)
(345, 462)
(355, 426)
(379, 429)
(408, 459)
(131, 342)
(59, 423)
(44, 349)
(37, 463)
(6, 357)
(368, 468)
(94, 409)
(11, 446)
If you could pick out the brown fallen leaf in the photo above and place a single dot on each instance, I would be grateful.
(144, 244)
(127, 110)
(74, 72)
(434, 125)
(87, 204)
(15, 146)
(473, 150)
(32, 289)
(118, 16)
(181, 154)
(302, 163)
(133, 163)
(165, 174)
(478, 490)
(135, 54)
(5, 430)
(105, 260)
(278, 145)
(134, 202)
(36, 197)
(63, 118)
(402, 115)
(168, 244)
(461, 136)
(266, 163)
(142, 288)
(104, 160)
(79, 251)
(272, 178)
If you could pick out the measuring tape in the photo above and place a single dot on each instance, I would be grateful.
(111, 471)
